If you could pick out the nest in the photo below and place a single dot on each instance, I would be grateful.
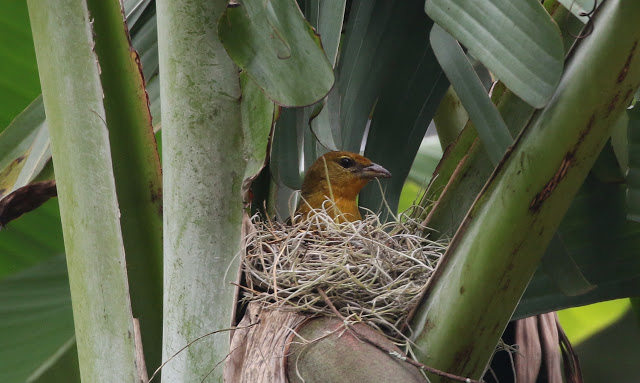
(372, 272)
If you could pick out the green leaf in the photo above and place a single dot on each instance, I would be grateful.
(558, 263)
(257, 119)
(24, 145)
(549, 285)
(25, 168)
(327, 17)
(134, 10)
(18, 137)
(359, 82)
(20, 83)
(35, 276)
(144, 38)
(620, 144)
(21, 133)
(633, 172)
(582, 322)
(37, 158)
(310, 146)
(492, 130)
(594, 225)
(31, 239)
(286, 150)
(153, 89)
(426, 161)
(570, 25)
(272, 42)
(406, 85)
(465, 166)
(516, 40)
(36, 321)
(326, 126)
(64, 368)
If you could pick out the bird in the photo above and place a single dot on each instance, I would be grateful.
(337, 176)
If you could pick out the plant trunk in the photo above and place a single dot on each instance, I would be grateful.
(279, 346)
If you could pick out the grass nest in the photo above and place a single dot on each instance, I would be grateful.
(372, 272)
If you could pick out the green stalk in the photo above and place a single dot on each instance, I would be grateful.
(203, 171)
(500, 242)
(137, 170)
(469, 160)
(73, 99)
(450, 118)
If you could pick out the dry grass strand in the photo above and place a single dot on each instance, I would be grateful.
(372, 272)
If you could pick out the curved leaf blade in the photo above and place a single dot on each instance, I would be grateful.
(35, 318)
(403, 89)
(278, 49)
(257, 119)
(39, 155)
(286, 150)
(359, 82)
(20, 134)
(426, 161)
(491, 127)
(529, 59)
(328, 18)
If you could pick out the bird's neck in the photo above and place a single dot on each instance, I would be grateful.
(343, 196)
(336, 191)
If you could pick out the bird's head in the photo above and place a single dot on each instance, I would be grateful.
(339, 176)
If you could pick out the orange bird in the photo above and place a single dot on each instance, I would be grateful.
(338, 177)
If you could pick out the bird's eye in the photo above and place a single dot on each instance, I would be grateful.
(346, 162)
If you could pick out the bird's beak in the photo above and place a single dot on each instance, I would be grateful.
(375, 171)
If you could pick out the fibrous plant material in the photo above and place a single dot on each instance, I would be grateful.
(371, 272)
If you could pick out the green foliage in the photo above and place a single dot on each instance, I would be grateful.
(18, 65)
(518, 42)
(43, 328)
(492, 130)
(385, 89)
(278, 49)
(580, 323)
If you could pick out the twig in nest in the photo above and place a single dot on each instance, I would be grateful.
(398, 355)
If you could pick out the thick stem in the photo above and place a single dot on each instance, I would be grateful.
(500, 243)
(203, 173)
(73, 99)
